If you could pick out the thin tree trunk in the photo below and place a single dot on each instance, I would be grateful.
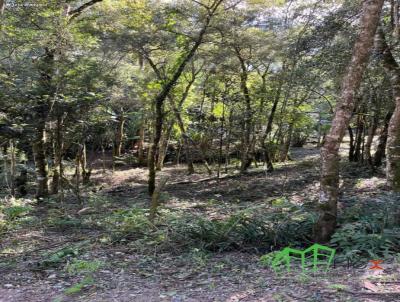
(329, 190)
(119, 135)
(164, 146)
(393, 141)
(319, 129)
(246, 158)
(86, 169)
(396, 29)
(178, 154)
(13, 167)
(155, 198)
(359, 138)
(221, 140)
(2, 6)
(57, 150)
(380, 152)
(188, 154)
(228, 142)
(264, 144)
(162, 150)
(371, 133)
(5, 165)
(159, 100)
(141, 158)
(177, 113)
(103, 156)
(78, 172)
(45, 68)
(351, 144)
(39, 156)
(286, 144)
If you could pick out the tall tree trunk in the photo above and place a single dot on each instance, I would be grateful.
(380, 152)
(2, 6)
(246, 158)
(78, 161)
(286, 144)
(162, 151)
(228, 142)
(351, 144)
(46, 88)
(160, 98)
(178, 153)
(58, 151)
(86, 169)
(141, 158)
(396, 29)
(103, 157)
(268, 129)
(177, 112)
(359, 138)
(188, 154)
(186, 140)
(13, 166)
(325, 226)
(319, 139)
(39, 156)
(119, 135)
(179, 120)
(371, 133)
(393, 141)
(221, 140)
(164, 146)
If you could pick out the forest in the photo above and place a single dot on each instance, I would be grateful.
(199, 150)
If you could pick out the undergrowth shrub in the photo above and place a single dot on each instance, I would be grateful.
(254, 228)
(368, 230)
(14, 213)
(66, 254)
(77, 266)
(52, 260)
(58, 220)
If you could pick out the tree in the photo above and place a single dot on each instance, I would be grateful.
(182, 61)
(392, 69)
(325, 226)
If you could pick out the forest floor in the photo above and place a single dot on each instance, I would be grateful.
(63, 253)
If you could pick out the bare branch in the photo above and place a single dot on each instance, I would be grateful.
(233, 5)
(201, 4)
(76, 12)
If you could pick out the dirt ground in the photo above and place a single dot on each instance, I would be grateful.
(129, 275)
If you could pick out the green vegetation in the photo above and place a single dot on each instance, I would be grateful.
(155, 150)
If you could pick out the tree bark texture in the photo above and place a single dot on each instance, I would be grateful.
(329, 181)
(393, 139)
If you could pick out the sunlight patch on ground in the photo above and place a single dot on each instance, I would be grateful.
(370, 183)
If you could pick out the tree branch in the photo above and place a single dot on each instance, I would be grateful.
(76, 12)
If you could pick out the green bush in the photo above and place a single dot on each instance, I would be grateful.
(368, 230)
(131, 224)
(64, 223)
(15, 212)
(78, 287)
(358, 243)
(82, 266)
(58, 257)
(249, 229)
